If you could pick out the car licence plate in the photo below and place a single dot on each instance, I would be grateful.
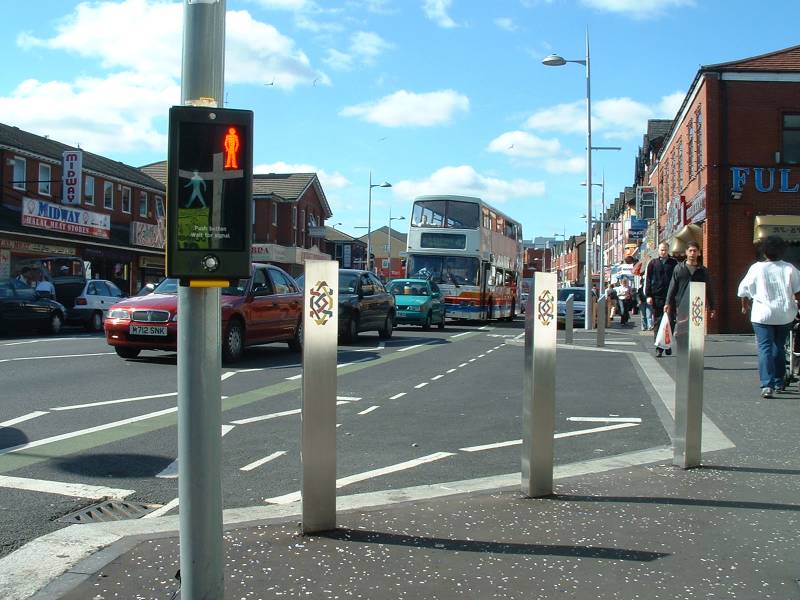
(148, 330)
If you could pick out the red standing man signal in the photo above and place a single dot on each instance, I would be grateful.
(232, 149)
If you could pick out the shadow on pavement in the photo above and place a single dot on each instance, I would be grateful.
(393, 539)
(680, 502)
(766, 470)
(11, 436)
(114, 465)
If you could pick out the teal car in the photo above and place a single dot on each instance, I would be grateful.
(418, 302)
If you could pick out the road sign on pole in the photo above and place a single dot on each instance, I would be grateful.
(209, 192)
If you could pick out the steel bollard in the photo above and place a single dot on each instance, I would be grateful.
(602, 315)
(689, 339)
(538, 403)
(569, 320)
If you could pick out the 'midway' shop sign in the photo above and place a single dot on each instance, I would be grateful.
(57, 217)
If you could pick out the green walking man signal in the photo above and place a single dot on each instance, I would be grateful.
(209, 194)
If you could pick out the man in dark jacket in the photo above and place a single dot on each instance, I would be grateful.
(656, 285)
(682, 275)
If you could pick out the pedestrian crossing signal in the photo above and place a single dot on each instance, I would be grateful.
(209, 193)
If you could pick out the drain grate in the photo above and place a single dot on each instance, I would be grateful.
(108, 510)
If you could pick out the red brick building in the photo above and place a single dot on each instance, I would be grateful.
(729, 170)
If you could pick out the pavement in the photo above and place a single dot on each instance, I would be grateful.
(630, 526)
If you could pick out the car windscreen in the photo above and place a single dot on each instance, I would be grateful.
(236, 290)
(348, 283)
(565, 293)
(457, 270)
(168, 286)
(399, 287)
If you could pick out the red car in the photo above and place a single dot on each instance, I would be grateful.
(264, 308)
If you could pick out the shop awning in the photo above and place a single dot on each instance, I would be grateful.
(785, 226)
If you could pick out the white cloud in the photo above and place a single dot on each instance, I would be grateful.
(150, 42)
(333, 180)
(365, 47)
(465, 180)
(292, 5)
(638, 9)
(436, 11)
(505, 23)
(409, 109)
(524, 145)
(116, 113)
(567, 164)
(614, 118)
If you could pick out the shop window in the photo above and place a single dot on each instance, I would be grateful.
(45, 174)
(18, 177)
(791, 139)
(126, 200)
(143, 208)
(88, 191)
(108, 195)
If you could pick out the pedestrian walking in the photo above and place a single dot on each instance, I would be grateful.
(625, 295)
(770, 291)
(644, 309)
(683, 274)
(611, 294)
(656, 284)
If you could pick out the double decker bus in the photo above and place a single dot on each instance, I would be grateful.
(472, 251)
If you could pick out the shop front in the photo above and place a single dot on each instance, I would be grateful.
(290, 259)
(16, 250)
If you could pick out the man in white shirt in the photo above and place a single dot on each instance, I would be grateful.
(771, 290)
(43, 286)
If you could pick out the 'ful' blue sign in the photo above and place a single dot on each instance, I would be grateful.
(764, 179)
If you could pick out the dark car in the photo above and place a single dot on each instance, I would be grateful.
(364, 305)
(23, 309)
(264, 308)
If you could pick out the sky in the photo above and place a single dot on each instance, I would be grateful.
(433, 96)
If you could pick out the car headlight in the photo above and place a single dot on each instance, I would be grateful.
(119, 313)
(410, 308)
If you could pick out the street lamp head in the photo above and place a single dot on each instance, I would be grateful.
(384, 184)
(554, 60)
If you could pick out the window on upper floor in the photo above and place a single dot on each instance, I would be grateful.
(698, 119)
(126, 200)
(680, 165)
(18, 175)
(45, 175)
(302, 220)
(791, 138)
(294, 217)
(690, 150)
(159, 207)
(108, 195)
(143, 208)
(275, 213)
(88, 191)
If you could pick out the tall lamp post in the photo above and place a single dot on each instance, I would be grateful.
(554, 60)
(385, 184)
(391, 218)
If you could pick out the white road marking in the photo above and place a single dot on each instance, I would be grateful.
(396, 396)
(486, 328)
(163, 510)
(450, 370)
(368, 410)
(380, 346)
(411, 347)
(120, 401)
(436, 377)
(264, 369)
(262, 461)
(340, 483)
(348, 398)
(284, 413)
(171, 470)
(472, 359)
(460, 334)
(227, 375)
(46, 340)
(421, 385)
(481, 355)
(490, 350)
(557, 436)
(462, 365)
(621, 343)
(28, 417)
(606, 419)
(2, 360)
(63, 488)
(80, 432)
(293, 377)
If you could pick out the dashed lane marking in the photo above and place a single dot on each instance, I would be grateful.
(421, 385)
(368, 410)
(28, 417)
(261, 461)
(396, 396)
(434, 378)
(557, 436)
